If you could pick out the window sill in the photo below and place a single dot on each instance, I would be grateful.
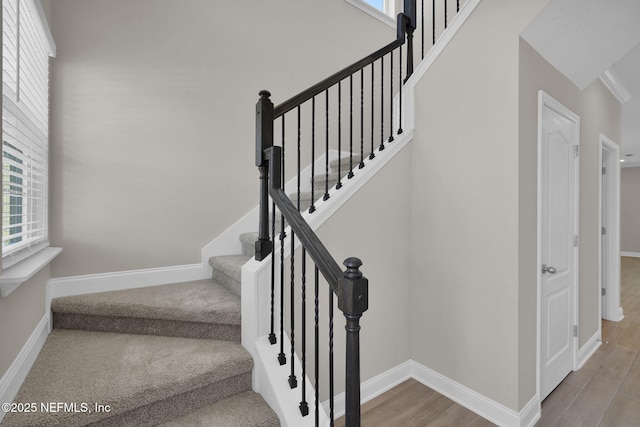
(19, 273)
(378, 14)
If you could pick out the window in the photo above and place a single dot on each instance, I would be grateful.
(386, 6)
(26, 48)
(383, 10)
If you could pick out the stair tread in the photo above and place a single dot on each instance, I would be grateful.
(231, 265)
(231, 412)
(123, 371)
(202, 301)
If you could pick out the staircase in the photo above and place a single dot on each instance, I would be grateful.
(164, 355)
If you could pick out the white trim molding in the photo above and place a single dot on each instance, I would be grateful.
(630, 254)
(612, 82)
(14, 377)
(470, 399)
(609, 219)
(588, 349)
(24, 270)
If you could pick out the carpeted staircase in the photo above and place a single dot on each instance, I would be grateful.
(164, 355)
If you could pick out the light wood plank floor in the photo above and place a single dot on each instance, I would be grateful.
(604, 393)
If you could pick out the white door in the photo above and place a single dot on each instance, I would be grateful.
(559, 149)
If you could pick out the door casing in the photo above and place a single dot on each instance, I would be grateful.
(610, 251)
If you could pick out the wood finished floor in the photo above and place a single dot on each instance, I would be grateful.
(604, 393)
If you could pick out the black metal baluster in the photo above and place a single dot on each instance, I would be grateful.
(361, 165)
(299, 160)
(350, 175)
(391, 101)
(272, 335)
(433, 20)
(381, 104)
(400, 90)
(316, 346)
(331, 376)
(339, 183)
(304, 406)
(445, 14)
(371, 155)
(293, 382)
(312, 208)
(326, 151)
(282, 358)
(457, 5)
(422, 27)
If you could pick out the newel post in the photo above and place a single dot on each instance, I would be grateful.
(264, 140)
(353, 301)
(410, 26)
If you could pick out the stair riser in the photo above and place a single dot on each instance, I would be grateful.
(179, 405)
(231, 283)
(128, 325)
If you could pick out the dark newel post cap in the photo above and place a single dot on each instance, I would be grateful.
(352, 264)
(264, 94)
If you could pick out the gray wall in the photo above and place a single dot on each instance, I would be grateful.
(465, 216)
(474, 177)
(374, 226)
(153, 116)
(630, 210)
(20, 313)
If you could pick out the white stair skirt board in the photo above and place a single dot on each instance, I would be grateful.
(588, 349)
(14, 377)
(256, 276)
(229, 241)
(630, 254)
(270, 379)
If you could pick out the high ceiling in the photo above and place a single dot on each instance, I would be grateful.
(586, 39)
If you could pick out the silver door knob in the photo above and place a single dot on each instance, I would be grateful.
(550, 270)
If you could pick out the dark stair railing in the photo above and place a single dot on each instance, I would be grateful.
(344, 92)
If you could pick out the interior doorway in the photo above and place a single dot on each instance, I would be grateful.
(611, 308)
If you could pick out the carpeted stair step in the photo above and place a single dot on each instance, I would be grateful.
(319, 180)
(305, 198)
(248, 241)
(227, 270)
(200, 309)
(144, 379)
(344, 164)
(231, 412)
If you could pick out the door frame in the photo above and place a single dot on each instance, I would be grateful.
(613, 307)
(544, 99)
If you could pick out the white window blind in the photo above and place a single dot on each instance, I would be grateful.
(26, 48)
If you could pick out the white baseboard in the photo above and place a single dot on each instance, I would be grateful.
(481, 405)
(373, 387)
(630, 254)
(588, 349)
(474, 401)
(116, 281)
(14, 377)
